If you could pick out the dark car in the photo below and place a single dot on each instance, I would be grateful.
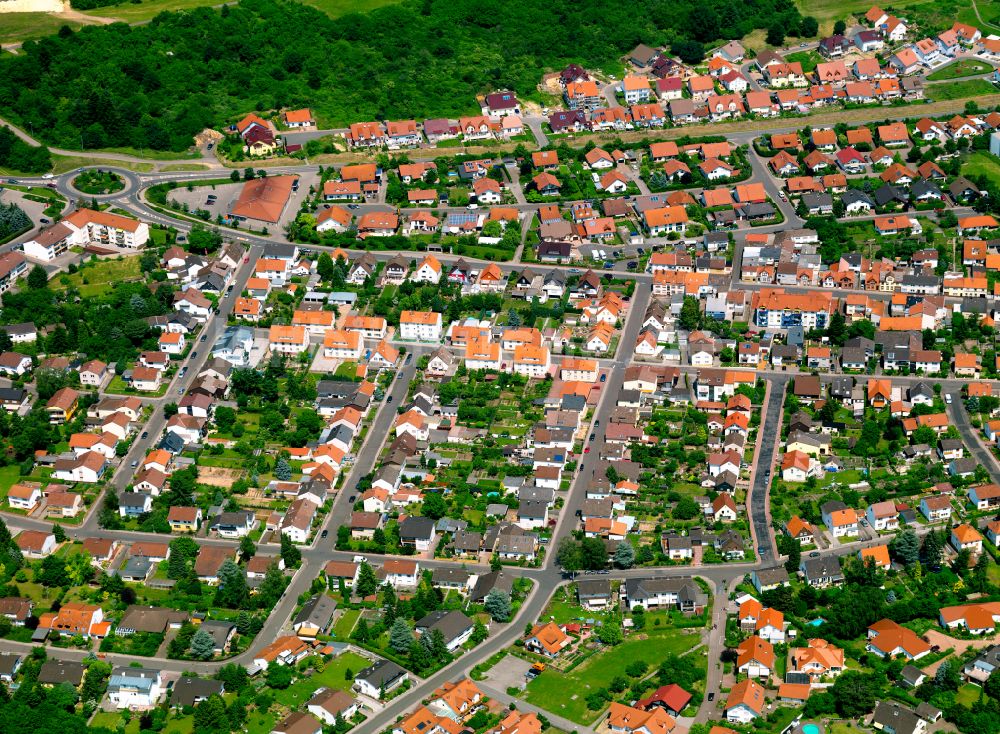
(352, 498)
(593, 436)
(324, 533)
(389, 399)
(711, 695)
(194, 354)
(814, 554)
(203, 337)
(604, 378)
(145, 434)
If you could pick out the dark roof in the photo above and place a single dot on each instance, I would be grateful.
(415, 527)
(188, 691)
(382, 673)
(60, 671)
(318, 611)
(452, 624)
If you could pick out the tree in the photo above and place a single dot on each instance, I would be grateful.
(203, 240)
(839, 27)
(775, 36)
(202, 645)
(247, 548)
(569, 555)
(497, 605)
(37, 278)
(78, 567)
(793, 549)
(289, 552)
(931, 550)
(279, 676)
(232, 592)
(282, 470)
(59, 533)
(837, 330)
(690, 314)
(992, 686)
(809, 27)
(593, 553)
(367, 583)
(325, 267)
(906, 547)
(435, 506)
(400, 636)
(610, 633)
(855, 693)
(690, 52)
(624, 555)
(52, 572)
(685, 509)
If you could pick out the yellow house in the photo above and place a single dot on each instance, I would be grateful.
(808, 443)
(184, 519)
(261, 147)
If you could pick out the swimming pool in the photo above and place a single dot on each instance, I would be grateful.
(815, 623)
(810, 729)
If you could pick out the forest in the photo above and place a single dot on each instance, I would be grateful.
(156, 85)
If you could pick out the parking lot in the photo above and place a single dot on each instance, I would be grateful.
(218, 200)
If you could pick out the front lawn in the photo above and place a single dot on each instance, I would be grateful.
(549, 690)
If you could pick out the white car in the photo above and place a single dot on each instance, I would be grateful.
(49, 175)
(473, 206)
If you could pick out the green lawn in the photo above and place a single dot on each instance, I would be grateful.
(958, 69)
(960, 90)
(8, 478)
(982, 163)
(94, 279)
(23, 26)
(333, 676)
(344, 625)
(549, 690)
(968, 694)
(808, 59)
(181, 725)
(64, 163)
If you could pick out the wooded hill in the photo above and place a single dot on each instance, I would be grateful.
(157, 85)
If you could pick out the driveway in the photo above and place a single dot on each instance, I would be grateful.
(936, 637)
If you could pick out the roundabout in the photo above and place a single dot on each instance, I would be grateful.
(99, 183)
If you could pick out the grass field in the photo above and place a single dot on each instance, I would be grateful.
(959, 69)
(549, 690)
(24, 26)
(982, 163)
(184, 167)
(8, 478)
(64, 163)
(808, 59)
(827, 12)
(960, 90)
(95, 279)
(147, 9)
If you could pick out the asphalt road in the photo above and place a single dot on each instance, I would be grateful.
(770, 429)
